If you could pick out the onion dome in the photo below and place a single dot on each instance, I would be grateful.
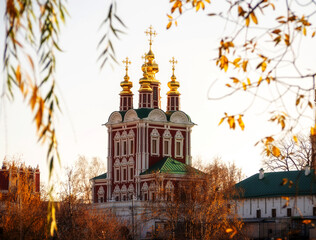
(126, 84)
(173, 84)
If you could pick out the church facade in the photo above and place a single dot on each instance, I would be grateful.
(145, 141)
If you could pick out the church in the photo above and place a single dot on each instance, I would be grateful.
(144, 141)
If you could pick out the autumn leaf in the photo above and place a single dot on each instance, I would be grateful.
(169, 25)
(276, 151)
(254, 18)
(247, 22)
(313, 130)
(241, 123)
(295, 139)
(263, 66)
(231, 122)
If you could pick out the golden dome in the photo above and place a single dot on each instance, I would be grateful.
(145, 81)
(173, 84)
(126, 84)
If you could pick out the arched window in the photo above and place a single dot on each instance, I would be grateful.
(117, 145)
(101, 195)
(130, 169)
(131, 142)
(145, 192)
(178, 144)
(117, 170)
(154, 142)
(167, 143)
(169, 191)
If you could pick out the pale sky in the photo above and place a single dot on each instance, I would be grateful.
(89, 95)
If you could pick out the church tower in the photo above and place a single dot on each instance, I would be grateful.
(144, 140)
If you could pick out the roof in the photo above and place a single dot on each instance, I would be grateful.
(276, 184)
(169, 165)
(102, 176)
(144, 112)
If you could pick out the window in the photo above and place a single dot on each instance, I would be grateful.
(289, 212)
(167, 143)
(117, 175)
(178, 144)
(166, 147)
(258, 213)
(314, 211)
(124, 174)
(117, 149)
(131, 174)
(273, 212)
(124, 148)
(154, 147)
(154, 142)
(131, 146)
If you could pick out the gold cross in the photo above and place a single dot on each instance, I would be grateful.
(151, 32)
(144, 58)
(173, 61)
(126, 62)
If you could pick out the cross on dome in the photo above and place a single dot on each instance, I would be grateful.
(152, 33)
(126, 62)
(173, 62)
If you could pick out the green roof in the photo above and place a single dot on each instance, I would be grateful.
(169, 165)
(102, 176)
(144, 112)
(276, 184)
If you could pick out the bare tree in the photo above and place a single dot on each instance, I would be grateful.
(293, 155)
(23, 214)
(201, 205)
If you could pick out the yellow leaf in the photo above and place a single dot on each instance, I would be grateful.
(231, 122)
(240, 11)
(297, 101)
(39, 114)
(235, 80)
(313, 35)
(169, 16)
(33, 98)
(276, 31)
(248, 81)
(241, 123)
(208, 1)
(304, 31)
(287, 39)
(244, 86)
(244, 65)
(259, 81)
(254, 18)
(18, 74)
(247, 21)
(169, 25)
(284, 181)
(228, 230)
(295, 139)
(198, 6)
(236, 60)
(263, 66)
(276, 151)
(310, 104)
(176, 23)
(269, 139)
(221, 121)
(228, 85)
(313, 130)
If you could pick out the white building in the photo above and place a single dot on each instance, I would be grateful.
(279, 205)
